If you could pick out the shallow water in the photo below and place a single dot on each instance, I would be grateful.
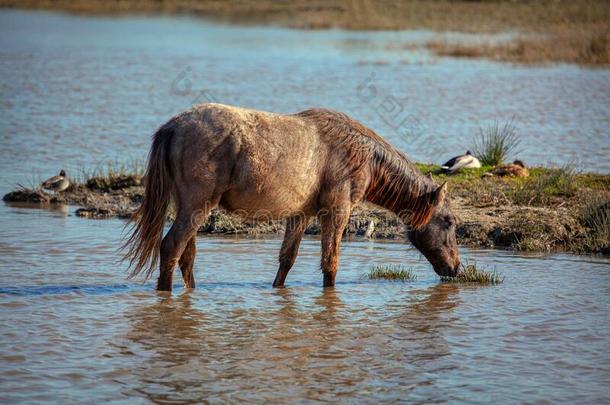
(80, 91)
(75, 330)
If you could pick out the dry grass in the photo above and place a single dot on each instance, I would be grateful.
(442, 15)
(588, 48)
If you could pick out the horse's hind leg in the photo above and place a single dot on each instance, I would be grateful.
(295, 227)
(180, 240)
(172, 246)
(186, 263)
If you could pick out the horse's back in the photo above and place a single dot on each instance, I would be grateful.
(274, 161)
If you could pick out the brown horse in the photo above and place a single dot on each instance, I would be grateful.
(262, 165)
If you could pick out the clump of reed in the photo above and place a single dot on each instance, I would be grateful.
(471, 274)
(390, 272)
(495, 143)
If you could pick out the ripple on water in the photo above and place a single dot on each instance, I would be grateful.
(75, 330)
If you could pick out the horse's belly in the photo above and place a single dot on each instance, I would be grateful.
(276, 199)
(262, 206)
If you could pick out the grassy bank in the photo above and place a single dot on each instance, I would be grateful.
(549, 30)
(552, 209)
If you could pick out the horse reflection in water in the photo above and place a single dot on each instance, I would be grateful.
(314, 347)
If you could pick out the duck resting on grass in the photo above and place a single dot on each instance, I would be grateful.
(466, 161)
(57, 183)
(515, 169)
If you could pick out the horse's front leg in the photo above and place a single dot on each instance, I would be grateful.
(295, 227)
(333, 221)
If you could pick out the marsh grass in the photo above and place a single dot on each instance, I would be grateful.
(471, 274)
(390, 272)
(540, 188)
(587, 46)
(595, 216)
(112, 175)
(496, 143)
(112, 170)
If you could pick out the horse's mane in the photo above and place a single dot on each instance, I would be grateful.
(396, 183)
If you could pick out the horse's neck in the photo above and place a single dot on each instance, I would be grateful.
(399, 187)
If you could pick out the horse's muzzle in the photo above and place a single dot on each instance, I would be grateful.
(448, 271)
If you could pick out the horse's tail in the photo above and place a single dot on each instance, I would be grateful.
(144, 243)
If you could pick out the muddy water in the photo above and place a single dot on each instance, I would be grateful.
(75, 330)
(77, 91)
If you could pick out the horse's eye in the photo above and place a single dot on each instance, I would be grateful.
(449, 221)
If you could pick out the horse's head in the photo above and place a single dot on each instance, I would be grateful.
(436, 240)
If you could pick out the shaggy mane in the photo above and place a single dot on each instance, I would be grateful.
(396, 183)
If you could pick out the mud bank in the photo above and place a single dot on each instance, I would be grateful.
(549, 211)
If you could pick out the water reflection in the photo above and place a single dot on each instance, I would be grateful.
(424, 323)
(61, 210)
(168, 334)
(75, 330)
(313, 346)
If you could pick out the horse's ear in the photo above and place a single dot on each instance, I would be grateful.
(439, 194)
(429, 175)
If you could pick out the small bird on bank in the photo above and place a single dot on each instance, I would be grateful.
(515, 169)
(57, 183)
(466, 161)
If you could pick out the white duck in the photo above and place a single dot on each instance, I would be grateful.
(57, 183)
(466, 161)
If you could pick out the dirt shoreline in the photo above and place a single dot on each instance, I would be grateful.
(548, 30)
(489, 210)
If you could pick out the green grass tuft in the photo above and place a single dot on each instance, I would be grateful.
(495, 143)
(470, 274)
(390, 272)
